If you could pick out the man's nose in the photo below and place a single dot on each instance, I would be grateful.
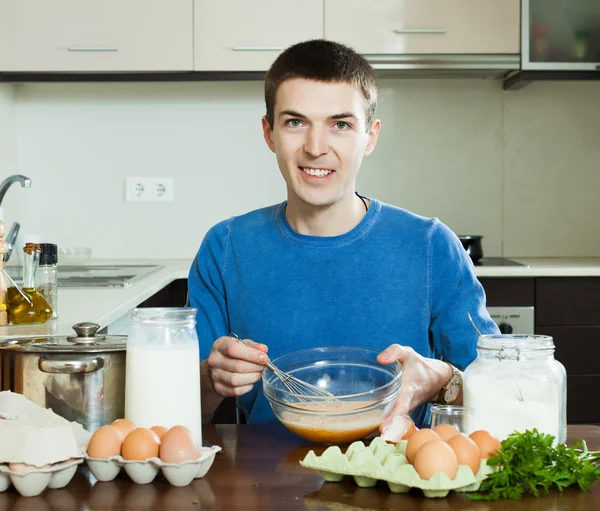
(317, 142)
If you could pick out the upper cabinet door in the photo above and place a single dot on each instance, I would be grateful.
(243, 35)
(559, 35)
(425, 26)
(100, 35)
(7, 39)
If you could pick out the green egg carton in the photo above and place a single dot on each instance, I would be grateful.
(381, 461)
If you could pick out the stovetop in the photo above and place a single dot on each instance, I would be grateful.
(497, 261)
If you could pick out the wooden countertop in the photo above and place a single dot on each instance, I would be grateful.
(258, 469)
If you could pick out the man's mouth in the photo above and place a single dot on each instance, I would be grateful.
(316, 172)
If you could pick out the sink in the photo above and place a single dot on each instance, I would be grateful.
(94, 275)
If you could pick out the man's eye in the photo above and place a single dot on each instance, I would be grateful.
(342, 125)
(294, 123)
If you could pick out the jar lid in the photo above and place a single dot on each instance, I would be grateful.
(520, 342)
(85, 340)
(49, 254)
(164, 316)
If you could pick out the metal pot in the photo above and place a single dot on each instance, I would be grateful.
(472, 244)
(81, 378)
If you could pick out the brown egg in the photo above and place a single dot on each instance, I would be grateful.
(433, 457)
(467, 452)
(124, 426)
(159, 430)
(417, 440)
(446, 431)
(178, 445)
(105, 442)
(487, 442)
(141, 444)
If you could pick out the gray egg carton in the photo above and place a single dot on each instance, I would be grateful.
(144, 472)
(34, 482)
(381, 461)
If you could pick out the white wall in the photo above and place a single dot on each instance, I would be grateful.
(8, 140)
(519, 167)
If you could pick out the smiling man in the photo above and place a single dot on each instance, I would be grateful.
(329, 266)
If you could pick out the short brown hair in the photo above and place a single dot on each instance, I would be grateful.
(322, 61)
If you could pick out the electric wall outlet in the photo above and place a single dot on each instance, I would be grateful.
(149, 189)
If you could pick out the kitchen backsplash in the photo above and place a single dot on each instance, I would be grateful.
(519, 167)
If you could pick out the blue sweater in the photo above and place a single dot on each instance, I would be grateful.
(395, 278)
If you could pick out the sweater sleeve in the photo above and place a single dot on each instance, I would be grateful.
(454, 291)
(206, 288)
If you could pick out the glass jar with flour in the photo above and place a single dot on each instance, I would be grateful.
(516, 384)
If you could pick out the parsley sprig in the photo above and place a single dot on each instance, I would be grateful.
(529, 463)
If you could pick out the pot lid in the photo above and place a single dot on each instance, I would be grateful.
(85, 340)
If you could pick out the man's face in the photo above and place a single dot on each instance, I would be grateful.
(320, 139)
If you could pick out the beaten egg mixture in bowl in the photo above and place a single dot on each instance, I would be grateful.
(364, 390)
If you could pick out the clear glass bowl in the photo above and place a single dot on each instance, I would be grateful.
(74, 256)
(364, 391)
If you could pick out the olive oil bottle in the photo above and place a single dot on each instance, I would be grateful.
(3, 282)
(26, 305)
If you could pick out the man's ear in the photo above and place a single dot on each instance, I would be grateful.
(373, 133)
(268, 133)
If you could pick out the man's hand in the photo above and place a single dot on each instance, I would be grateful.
(234, 368)
(422, 379)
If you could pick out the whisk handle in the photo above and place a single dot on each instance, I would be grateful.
(268, 364)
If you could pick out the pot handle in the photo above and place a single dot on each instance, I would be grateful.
(70, 366)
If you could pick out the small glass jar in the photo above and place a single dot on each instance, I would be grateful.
(162, 377)
(515, 384)
(460, 417)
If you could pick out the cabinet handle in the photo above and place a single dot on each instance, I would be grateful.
(93, 48)
(419, 31)
(70, 366)
(257, 48)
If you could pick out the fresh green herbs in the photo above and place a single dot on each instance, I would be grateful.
(529, 463)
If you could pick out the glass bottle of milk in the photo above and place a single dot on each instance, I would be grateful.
(162, 379)
(516, 384)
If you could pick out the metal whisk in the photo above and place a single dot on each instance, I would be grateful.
(296, 386)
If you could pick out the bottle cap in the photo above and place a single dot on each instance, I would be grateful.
(49, 254)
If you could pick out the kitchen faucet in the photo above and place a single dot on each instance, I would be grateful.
(14, 229)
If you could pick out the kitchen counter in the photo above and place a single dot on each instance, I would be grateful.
(258, 469)
(106, 305)
(103, 305)
(544, 267)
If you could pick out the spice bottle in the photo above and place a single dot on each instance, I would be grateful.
(46, 277)
(27, 305)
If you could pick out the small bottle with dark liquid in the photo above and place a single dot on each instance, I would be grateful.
(26, 305)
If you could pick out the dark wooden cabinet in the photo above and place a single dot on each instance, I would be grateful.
(508, 292)
(173, 295)
(567, 309)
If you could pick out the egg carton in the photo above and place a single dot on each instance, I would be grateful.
(34, 482)
(381, 461)
(144, 472)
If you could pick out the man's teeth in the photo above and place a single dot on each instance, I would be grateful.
(316, 172)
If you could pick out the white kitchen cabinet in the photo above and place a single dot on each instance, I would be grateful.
(99, 35)
(7, 40)
(413, 27)
(242, 35)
